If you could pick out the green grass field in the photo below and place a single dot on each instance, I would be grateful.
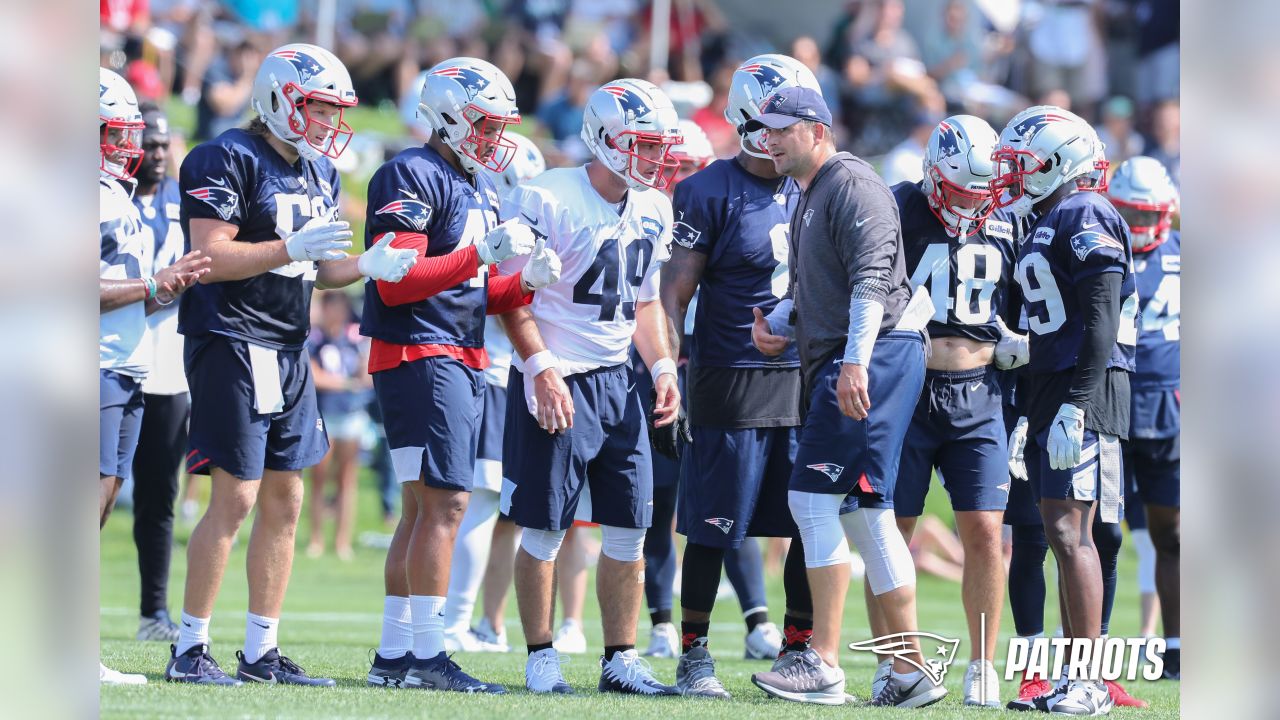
(332, 619)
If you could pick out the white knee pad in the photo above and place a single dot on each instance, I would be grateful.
(1146, 560)
(542, 544)
(622, 544)
(818, 518)
(875, 534)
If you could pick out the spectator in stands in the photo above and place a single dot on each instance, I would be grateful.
(905, 161)
(1166, 145)
(1158, 51)
(224, 94)
(1117, 133)
(805, 49)
(723, 135)
(953, 53)
(562, 115)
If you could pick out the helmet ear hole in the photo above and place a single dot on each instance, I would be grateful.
(448, 119)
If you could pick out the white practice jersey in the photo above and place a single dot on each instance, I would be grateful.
(124, 256)
(608, 264)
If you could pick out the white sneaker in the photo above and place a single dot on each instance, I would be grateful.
(542, 673)
(107, 676)
(1084, 697)
(570, 639)
(464, 639)
(981, 685)
(881, 676)
(805, 678)
(664, 642)
(628, 673)
(486, 633)
(763, 643)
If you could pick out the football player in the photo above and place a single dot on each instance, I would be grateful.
(428, 353)
(581, 421)
(479, 533)
(1146, 197)
(127, 293)
(731, 247)
(863, 371)
(964, 257)
(1075, 270)
(260, 202)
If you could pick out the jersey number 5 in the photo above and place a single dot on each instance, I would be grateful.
(603, 274)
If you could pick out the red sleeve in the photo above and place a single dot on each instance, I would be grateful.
(430, 275)
(506, 293)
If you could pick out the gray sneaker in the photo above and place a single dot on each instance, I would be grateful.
(157, 628)
(805, 678)
(919, 693)
(696, 675)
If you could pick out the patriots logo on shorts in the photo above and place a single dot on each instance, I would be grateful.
(1083, 243)
(725, 524)
(219, 198)
(633, 106)
(470, 79)
(307, 66)
(768, 77)
(831, 470)
(414, 212)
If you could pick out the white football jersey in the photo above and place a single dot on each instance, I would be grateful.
(609, 262)
(124, 256)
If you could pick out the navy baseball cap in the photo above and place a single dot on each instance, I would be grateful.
(789, 106)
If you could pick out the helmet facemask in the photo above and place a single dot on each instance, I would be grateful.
(1149, 223)
(1013, 168)
(655, 168)
(120, 147)
(485, 143)
(961, 210)
(304, 120)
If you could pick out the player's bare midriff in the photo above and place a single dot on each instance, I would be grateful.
(959, 353)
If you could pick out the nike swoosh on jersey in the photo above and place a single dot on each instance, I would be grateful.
(1086, 226)
(860, 222)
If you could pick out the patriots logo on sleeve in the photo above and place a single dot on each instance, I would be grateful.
(415, 213)
(684, 234)
(768, 77)
(220, 199)
(307, 66)
(831, 470)
(724, 524)
(1083, 243)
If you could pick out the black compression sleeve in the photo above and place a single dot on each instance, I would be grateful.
(1099, 299)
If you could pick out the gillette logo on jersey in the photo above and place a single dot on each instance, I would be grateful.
(768, 77)
(470, 80)
(307, 66)
(219, 198)
(1085, 658)
(633, 106)
(414, 212)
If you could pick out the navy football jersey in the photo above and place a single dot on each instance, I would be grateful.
(239, 178)
(1159, 274)
(741, 223)
(969, 282)
(1080, 236)
(419, 191)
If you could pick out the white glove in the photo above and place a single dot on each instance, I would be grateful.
(1017, 446)
(383, 262)
(505, 242)
(319, 239)
(543, 268)
(1012, 350)
(1066, 437)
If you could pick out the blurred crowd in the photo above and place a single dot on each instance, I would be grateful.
(889, 71)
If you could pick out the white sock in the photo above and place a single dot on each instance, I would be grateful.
(470, 555)
(192, 631)
(1173, 643)
(259, 636)
(428, 625)
(397, 628)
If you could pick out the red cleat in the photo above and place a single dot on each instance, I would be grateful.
(1032, 687)
(1122, 698)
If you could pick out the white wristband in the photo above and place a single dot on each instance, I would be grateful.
(537, 362)
(664, 366)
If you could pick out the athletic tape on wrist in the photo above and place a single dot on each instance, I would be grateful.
(664, 366)
(538, 362)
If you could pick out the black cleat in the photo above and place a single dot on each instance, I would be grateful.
(389, 672)
(276, 669)
(442, 673)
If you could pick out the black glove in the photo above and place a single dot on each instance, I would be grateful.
(667, 440)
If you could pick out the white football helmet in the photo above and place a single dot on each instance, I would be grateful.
(957, 173)
(526, 164)
(469, 103)
(1054, 146)
(119, 126)
(755, 80)
(293, 77)
(631, 126)
(1146, 197)
(694, 153)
